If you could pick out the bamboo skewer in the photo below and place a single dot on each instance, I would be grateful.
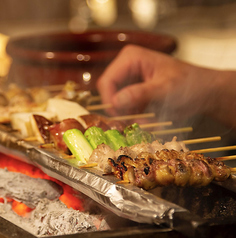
(215, 149)
(88, 165)
(173, 131)
(230, 157)
(47, 145)
(233, 169)
(156, 124)
(93, 99)
(68, 156)
(202, 140)
(134, 116)
(127, 117)
(98, 107)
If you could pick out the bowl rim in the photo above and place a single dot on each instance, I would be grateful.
(69, 57)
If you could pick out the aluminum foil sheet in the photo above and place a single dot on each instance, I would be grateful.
(124, 200)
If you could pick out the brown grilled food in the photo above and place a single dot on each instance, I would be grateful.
(167, 167)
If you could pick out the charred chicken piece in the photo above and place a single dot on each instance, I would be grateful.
(143, 172)
(201, 172)
(181, 171)
(220, 170)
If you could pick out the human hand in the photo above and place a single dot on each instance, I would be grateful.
(140, 79)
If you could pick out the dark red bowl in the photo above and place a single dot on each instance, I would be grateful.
(49, 59)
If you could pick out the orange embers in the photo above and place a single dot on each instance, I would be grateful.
(70, 197)
(20, 208)
(15, 165)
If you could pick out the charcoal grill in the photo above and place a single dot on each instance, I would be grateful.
(162, 212)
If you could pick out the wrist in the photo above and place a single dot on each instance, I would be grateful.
(223, 97)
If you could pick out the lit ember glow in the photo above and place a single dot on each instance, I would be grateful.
(20, 208)
(70, 197)
(43, 205)
(15, 165)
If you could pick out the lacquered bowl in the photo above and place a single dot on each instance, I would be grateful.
(49, 59)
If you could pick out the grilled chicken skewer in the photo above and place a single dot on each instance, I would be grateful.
(168, 167)
(148, 165)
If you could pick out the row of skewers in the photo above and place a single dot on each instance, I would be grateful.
(136, 156)
(132, 158)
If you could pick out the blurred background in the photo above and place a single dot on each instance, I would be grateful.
(204, 29)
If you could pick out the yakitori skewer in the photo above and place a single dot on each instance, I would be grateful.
(201, 140)
(173, 131)
(224, 148)
(133, 116)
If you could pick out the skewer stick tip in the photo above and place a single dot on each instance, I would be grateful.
(233, 169)
(217, 149)
(230, 157)
(201, 140)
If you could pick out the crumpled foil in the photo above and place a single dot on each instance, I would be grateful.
(124, 200)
